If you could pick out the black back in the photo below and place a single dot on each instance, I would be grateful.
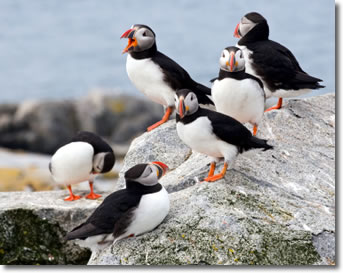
(228, 129)
(115, 213)
(99, 146)
(174, 75)
(273, 62)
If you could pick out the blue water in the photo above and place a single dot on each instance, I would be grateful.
(64, 48)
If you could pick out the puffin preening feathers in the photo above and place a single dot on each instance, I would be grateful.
(85, 156)
(137, 209)
(273, 63)
(155, 74)
(212, 133)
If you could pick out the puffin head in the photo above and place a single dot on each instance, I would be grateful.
(186, 102)
(249, 22)
(232, 59)
(141, 37)
(146, 174)
(103, 162)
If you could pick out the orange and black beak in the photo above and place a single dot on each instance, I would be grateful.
(132, 41)
(232, 61)
(182, 107)
(162, 168)
(236, 33)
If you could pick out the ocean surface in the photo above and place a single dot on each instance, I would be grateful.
(60, 49)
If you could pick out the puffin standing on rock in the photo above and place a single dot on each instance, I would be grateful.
(81, 160)
(132, 211)
(212, 133)
(155, 74)
(236, 93)
(273, 63)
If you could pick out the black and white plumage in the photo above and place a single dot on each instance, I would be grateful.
(236, 93)
(155, 74)
(85, 156)
(212, 133)
(270, 61)
(137, 209)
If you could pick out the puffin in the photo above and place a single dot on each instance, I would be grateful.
(272, 62)
(134, 210)
(236, 93)
(155, 74)
(212, 133)
(84, 157)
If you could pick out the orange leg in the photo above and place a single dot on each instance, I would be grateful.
(218, 176)
(71, 197)
(92, 195)
(255, 130)
(212, 168)
(278, 106)
(163, 120)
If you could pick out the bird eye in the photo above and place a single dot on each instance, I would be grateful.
(223, 55)
(144, 33)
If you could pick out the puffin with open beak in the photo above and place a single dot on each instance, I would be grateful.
(212, 133)
(82, 159)
(271, 62)
(236, 93)
(155, 74)
(132, 211)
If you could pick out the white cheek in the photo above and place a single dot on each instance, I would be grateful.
(222, 62)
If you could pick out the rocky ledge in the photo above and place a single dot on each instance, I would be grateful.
(273, 208)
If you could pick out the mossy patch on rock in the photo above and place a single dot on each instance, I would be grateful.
(25, 238)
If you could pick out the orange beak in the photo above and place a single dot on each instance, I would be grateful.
(236, 32)
(163, 168)
(181, 107)
(232, 61)
(132, 41)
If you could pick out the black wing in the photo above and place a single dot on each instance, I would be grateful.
(279, 68)
(232, 131)
(227, 128)
(116, 206)
(178, 78)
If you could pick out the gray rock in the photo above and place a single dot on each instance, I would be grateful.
(40, 127)
(273, 208)
(43, 127)
(162, 144)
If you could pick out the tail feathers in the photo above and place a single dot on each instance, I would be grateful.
(259, 143)
(304, 80)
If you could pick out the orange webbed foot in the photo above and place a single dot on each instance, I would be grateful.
(72, 198)
(276, 107)
(93, 196)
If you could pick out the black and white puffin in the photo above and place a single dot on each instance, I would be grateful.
(82, 159)
(273, 63)
(132, 211)
(155, 74)
(236, 93)
(212, 133)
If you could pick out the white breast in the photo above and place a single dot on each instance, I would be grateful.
(280, 93)
(148, 78)
(240, 99)
(200, 137)
(72, 163)
(152, 209)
